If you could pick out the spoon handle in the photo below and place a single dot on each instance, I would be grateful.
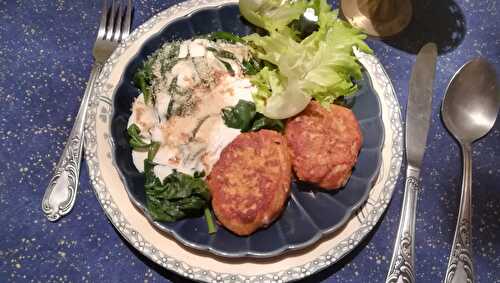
(402, 268)
(460, 268)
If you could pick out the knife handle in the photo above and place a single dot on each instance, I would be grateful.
(402, 268)
(460, 267)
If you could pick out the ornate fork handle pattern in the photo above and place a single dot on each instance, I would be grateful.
(402, 268)
(60, 195)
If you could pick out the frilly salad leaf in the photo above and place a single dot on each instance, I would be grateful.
(272, 14)
(320, 66)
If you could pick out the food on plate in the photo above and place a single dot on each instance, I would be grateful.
(301, 65)
(244, 116)
(189, 82)
(184, 85)
(324, 143)
(251, 181)
(216, 105)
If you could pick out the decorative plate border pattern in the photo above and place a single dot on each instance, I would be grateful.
(368, 215)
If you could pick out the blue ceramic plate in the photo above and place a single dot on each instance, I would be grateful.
(309, 213)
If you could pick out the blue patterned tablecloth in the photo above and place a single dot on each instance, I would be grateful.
(45, 60)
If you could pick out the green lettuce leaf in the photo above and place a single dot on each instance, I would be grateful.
(272, 15)
(266, 82)
(321, 66)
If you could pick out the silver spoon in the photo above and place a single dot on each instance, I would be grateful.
(469, 111)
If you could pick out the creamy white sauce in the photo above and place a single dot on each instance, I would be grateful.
(193, 140)
(184, 49)
(144, 116)
(161, 106)
(198, 47)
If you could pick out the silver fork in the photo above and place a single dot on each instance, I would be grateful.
(60, 194)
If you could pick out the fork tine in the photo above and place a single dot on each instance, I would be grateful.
(101, 32)
(111, 21)
(128, 20)
(118, 26)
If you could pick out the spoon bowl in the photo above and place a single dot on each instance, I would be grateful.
(469, 111)
(472, 100)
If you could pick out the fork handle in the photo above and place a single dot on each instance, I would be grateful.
(460, 267)
(402, 268)
(60, 194)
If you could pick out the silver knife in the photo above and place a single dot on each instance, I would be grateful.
(418, 114)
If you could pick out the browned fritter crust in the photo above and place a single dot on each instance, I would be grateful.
(324, 144)
(250, 182)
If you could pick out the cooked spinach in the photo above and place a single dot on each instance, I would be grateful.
(267, 123)
(240, 116)
(135, 139)
(179, 195)
(244, 116)
(143, 79)
(152, 150)
(226, 36)
(176, 197)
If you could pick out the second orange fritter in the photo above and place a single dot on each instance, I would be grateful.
(324, 144)
(250, 182)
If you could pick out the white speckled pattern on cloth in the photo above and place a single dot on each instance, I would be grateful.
(45, 59)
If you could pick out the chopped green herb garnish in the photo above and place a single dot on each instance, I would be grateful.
(226, 54)
(228, 66)
(223, 54)
(211, 49)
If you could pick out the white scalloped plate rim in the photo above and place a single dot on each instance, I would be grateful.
(203, 266)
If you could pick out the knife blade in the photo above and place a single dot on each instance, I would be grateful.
(418, 111)
(418, 115)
